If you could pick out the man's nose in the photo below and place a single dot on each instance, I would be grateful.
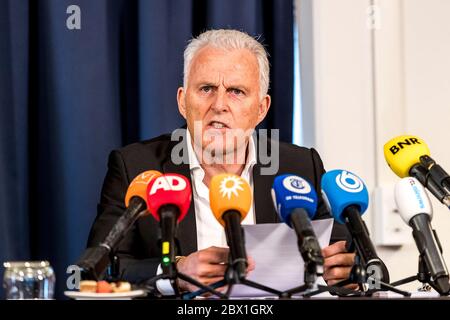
(220, 104)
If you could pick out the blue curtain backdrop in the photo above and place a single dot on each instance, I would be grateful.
(68, 97)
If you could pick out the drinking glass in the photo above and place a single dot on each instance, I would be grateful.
(28, 280)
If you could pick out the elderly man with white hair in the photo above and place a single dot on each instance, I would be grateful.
(223, 98)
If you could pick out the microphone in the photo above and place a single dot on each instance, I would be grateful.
(348, 199)
(230, 199)
(169, 198)
(95, 259)
(296, 203)
(415, 209)
(409, 156)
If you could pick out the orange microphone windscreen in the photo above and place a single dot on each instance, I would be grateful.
(229, 192)
(138, 187)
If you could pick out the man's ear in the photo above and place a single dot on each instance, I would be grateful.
(180, 100)
(263, 108)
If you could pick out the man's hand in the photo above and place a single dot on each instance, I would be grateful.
(206, 266)
(338, 264)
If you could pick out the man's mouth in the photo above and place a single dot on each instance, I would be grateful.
(217, 125)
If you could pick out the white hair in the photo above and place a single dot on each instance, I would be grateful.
(229, 39)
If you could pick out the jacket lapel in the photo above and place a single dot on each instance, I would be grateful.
(262, 185)
(187, 229)
(264, 208)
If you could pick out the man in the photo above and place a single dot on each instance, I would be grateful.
(223, 98)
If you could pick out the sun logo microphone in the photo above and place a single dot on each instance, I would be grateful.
(230, 199)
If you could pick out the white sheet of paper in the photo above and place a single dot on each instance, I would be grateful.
(278, 263)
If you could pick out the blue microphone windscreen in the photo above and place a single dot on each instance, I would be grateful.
(290, 192)
(342, 189)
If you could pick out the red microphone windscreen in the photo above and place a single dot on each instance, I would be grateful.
(170, 188)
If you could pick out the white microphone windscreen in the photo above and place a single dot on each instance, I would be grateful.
(412, 199)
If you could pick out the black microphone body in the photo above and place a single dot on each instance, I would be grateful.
(236, 242)
(307, 241)
(422, 174)
(438, 174)
(136, 207)
(431, 251)
(364, 246)
(95, 260)
(168, 215)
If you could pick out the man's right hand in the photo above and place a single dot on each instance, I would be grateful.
(206, 266)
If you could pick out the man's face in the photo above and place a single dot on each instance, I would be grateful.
(222, 97)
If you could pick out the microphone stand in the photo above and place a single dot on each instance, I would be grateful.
(232, 277)
(423, 275)
(113, 270)
(313, 266)
(171, 273)
(235, 272)
(310, 277)
(358, 275)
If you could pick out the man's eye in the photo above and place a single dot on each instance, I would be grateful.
(237, 92)
(206, 89)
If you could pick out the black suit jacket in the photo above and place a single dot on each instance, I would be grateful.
(139, 252)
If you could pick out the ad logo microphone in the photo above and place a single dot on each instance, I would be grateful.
(230, 199)
(415, 209)
(169, 189)
(169, 198)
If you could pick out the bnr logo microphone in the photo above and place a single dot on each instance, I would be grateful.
(349, 182)
(297, 185)
(399, 145)
(168, 183)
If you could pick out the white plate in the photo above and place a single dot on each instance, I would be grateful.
(105, 296)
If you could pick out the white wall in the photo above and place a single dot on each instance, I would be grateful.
(362, 86)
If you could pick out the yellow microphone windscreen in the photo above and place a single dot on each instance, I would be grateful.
(402, 152)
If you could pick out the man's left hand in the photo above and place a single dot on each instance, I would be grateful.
(338, 263)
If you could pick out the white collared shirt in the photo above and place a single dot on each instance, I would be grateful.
(209, 231)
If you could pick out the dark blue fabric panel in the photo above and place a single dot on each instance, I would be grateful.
(68, 97)
(14, 225)
(164, 28)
